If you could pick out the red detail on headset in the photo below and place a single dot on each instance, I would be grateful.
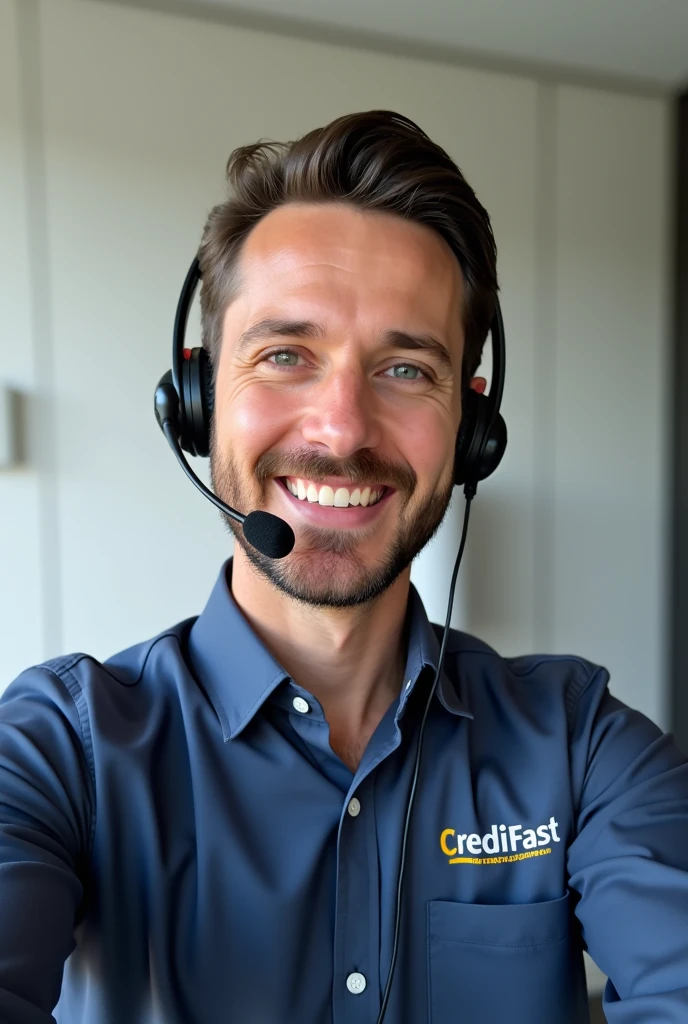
(187, 353)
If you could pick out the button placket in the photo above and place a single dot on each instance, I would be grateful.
(356, 937)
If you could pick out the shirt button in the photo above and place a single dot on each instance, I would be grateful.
(353, 809)
(356, 983)
(300, 705)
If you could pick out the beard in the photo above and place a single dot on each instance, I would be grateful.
(326, 569)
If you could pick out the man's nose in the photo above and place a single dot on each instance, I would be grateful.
(343, 416)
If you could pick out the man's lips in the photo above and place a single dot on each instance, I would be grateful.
(332, 515)
(338, 492)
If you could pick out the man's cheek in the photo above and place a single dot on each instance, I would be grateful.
(246, 432)
(260, 416)
(434, 472)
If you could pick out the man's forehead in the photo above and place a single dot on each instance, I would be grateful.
(298, 238)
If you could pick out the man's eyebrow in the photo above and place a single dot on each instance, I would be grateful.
(277, 327)
(427, 342)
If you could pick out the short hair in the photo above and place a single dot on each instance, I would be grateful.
(376, 161)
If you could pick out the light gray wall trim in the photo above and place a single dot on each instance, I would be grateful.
(544, 504)
(299, 28)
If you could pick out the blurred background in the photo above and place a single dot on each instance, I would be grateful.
(116, 121)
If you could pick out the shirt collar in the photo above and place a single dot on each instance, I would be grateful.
(239, 674)
(423, 652)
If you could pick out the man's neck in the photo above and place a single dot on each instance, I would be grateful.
(351, 659)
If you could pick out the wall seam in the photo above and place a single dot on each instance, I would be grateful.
(311, 30)
(664, 623)
(544, 391)
(42, 427)
(678, 580)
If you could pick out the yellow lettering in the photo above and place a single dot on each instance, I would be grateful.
(443, 842)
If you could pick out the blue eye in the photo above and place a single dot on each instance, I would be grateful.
(285, 358)
(404, 371)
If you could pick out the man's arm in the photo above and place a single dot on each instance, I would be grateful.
(46, 817)
(629, 861)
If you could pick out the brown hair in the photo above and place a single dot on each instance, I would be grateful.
(376, 161)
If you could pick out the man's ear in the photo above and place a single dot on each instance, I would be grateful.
(479, 384)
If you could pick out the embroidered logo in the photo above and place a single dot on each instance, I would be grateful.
(503, 844)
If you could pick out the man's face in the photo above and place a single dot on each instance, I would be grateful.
(339, 378)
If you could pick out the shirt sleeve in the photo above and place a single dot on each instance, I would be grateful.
(45, 830)
(629, 860)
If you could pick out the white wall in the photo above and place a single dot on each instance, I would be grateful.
(21, 608)
(115, 126)
(609, 426)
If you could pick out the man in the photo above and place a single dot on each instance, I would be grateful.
(207, 827)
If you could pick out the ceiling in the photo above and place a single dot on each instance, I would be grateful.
(644, 42)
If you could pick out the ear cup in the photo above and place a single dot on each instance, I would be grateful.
(196, 405)
(479, 446)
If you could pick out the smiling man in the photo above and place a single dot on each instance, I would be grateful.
(207, 827)
(337, 409)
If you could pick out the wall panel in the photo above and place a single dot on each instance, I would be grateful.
(610, 431)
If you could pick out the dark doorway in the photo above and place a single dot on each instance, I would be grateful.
(679, 546)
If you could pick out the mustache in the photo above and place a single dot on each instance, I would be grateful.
(364, 467)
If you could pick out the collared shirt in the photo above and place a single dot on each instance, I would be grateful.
(180, 845)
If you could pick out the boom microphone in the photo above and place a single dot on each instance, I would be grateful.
(268, 534)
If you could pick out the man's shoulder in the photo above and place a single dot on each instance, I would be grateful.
(84, 677)
(536, 680)
(550, 668)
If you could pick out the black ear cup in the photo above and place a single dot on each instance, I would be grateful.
(197, 402)
(479, 446)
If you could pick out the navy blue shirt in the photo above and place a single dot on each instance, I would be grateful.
(180, 845)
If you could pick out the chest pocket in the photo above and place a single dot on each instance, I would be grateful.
(515, 963)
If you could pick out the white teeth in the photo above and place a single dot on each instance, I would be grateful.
(326, 495)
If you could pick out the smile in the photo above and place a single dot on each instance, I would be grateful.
(339, 497)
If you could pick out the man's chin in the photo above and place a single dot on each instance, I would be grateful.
(343, 568)
(330, 575)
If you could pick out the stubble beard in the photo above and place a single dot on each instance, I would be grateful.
(328, 571)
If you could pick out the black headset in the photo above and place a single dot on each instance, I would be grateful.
(480, 443)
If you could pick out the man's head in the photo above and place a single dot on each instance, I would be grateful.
(348, 286)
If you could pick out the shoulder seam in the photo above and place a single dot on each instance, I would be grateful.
(163, 636)
(73, 688)
(57, 665)
(546, 659)
(509, 661)
(576, 691)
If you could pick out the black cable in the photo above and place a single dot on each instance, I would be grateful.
(469, 492)
(169, 432)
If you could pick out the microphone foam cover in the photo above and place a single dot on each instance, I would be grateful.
(269, 534)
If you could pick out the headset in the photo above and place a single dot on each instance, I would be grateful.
(183, 405)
